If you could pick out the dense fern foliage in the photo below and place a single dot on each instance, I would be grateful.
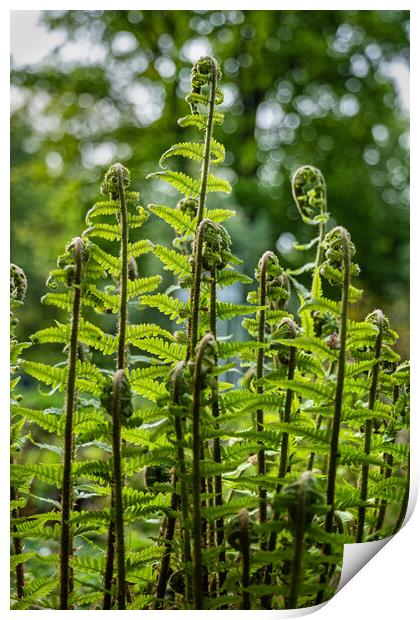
(180, 469)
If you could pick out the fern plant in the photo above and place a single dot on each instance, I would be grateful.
(182, 469)
(18, 287)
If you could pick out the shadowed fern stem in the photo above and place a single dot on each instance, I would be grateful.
(284, 449)
(119, 385)
(267, 256)
(337, 242)
(379, 321)
(215, 411)
(197, 577)
(66, 542)
(245, 543)
(117, 179)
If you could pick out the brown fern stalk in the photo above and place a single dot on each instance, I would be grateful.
(66, 542)
(267, 256)
(217, 456)
(284, 457)
(245, 544)
(345, 242)
(379, 321)
(196, 258)
(176, 501)
(116, 414)
(197, 577)
(118, 181)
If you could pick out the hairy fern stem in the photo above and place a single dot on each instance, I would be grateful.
(196, 258)
(284, 449)
(197, 577)
(217, 456)
(66, 542)
(338, 399)
(267, 256)
(368, 427)
(245, 543)
(116, 414)
(119, 183)
(388, 464)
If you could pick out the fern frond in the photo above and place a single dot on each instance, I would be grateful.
(226, 311)
(110, 232)
(139, 247)
(191, 187)
(88, 379)
(200, 120)
(142, 285)
(169, 352)
(107, 261)
(149, 388)
(322, 305)
(170, 306)
(312, 344)
(226, 277)
(180, 222)
(173, 261)
(218, 215)
(60, 300)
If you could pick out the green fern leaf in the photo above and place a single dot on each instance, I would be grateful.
(47, 421)
(36, 593)
(149, 388)
(226, 277)
(136, 333)
(139, 247)
(108, 262)
(307, 343)
(180, 181)
(322, 305)
(142, 285)
(170, 306)
(200, 120)
(173, 261)
(226, 310)
(60, 300)
(169, 352)
(218, 215)
(316, 390)
(180, 222)
(110, 232)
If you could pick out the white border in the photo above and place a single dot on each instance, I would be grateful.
(387, 586)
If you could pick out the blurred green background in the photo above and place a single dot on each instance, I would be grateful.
(328, 88)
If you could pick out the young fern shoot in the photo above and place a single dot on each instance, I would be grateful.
(72, 263)
(263, 266)
(114, 186)
(18, 287)
(338, 269)
(203, 366)
(310, 195)
(205, 95)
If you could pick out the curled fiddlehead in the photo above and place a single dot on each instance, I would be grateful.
(18, 283)
(310, 195)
